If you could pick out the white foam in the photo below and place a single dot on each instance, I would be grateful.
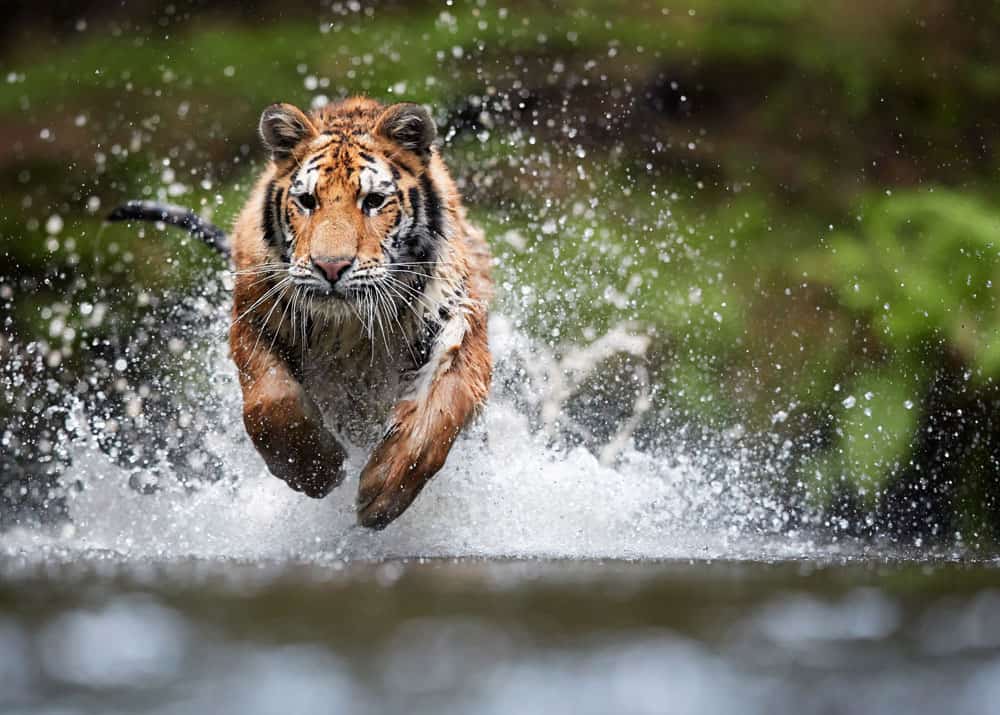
(505, 492)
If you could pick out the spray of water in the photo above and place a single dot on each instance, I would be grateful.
(514, 486)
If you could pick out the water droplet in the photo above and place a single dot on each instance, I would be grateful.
(54, 225)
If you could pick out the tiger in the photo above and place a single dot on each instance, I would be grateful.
(360, 301)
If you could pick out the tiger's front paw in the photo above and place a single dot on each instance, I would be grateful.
(385, 491)
(395, 474)
(315, 476)
(288, 432)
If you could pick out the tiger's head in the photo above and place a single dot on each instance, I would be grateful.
(352, 205)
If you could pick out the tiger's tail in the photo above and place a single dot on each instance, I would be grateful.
(172, 215)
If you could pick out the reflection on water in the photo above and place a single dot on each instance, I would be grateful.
(488, 637)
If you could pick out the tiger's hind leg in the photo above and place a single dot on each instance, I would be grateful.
(423, 428)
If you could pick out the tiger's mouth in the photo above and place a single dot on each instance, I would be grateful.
(361, 286)
(353, 291)
(315, 287)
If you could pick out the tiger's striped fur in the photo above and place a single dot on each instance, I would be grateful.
(389, 352)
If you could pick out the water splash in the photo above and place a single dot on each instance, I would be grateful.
(513, 486)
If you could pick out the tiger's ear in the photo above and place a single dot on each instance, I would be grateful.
(408, 125)
(282, 128)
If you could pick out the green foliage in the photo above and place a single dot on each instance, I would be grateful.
(922, 268)
(876, 420)
(918, 271)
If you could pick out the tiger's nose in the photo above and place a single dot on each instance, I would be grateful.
(333, 268)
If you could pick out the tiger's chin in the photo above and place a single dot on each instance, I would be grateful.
(321, 293)
(340, 304)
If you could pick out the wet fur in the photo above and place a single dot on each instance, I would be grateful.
(399, 363)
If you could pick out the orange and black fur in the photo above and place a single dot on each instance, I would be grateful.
(359, 308)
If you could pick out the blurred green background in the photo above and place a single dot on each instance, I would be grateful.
(796, 200)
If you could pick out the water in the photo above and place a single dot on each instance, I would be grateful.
(515, 485)
(536, 573)
(99, 634)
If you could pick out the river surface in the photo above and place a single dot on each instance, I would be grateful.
(91, 632)
(532, 575)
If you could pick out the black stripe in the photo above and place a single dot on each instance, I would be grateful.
(425, 341)
(433, 199)
(367, 157)
(397, 166)
(288, 233)
(415, 203)
(397, 218)
(267, 217)
(280, 225)
(310, 324)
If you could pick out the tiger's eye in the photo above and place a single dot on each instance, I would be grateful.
(372, 202)
(306, 201)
